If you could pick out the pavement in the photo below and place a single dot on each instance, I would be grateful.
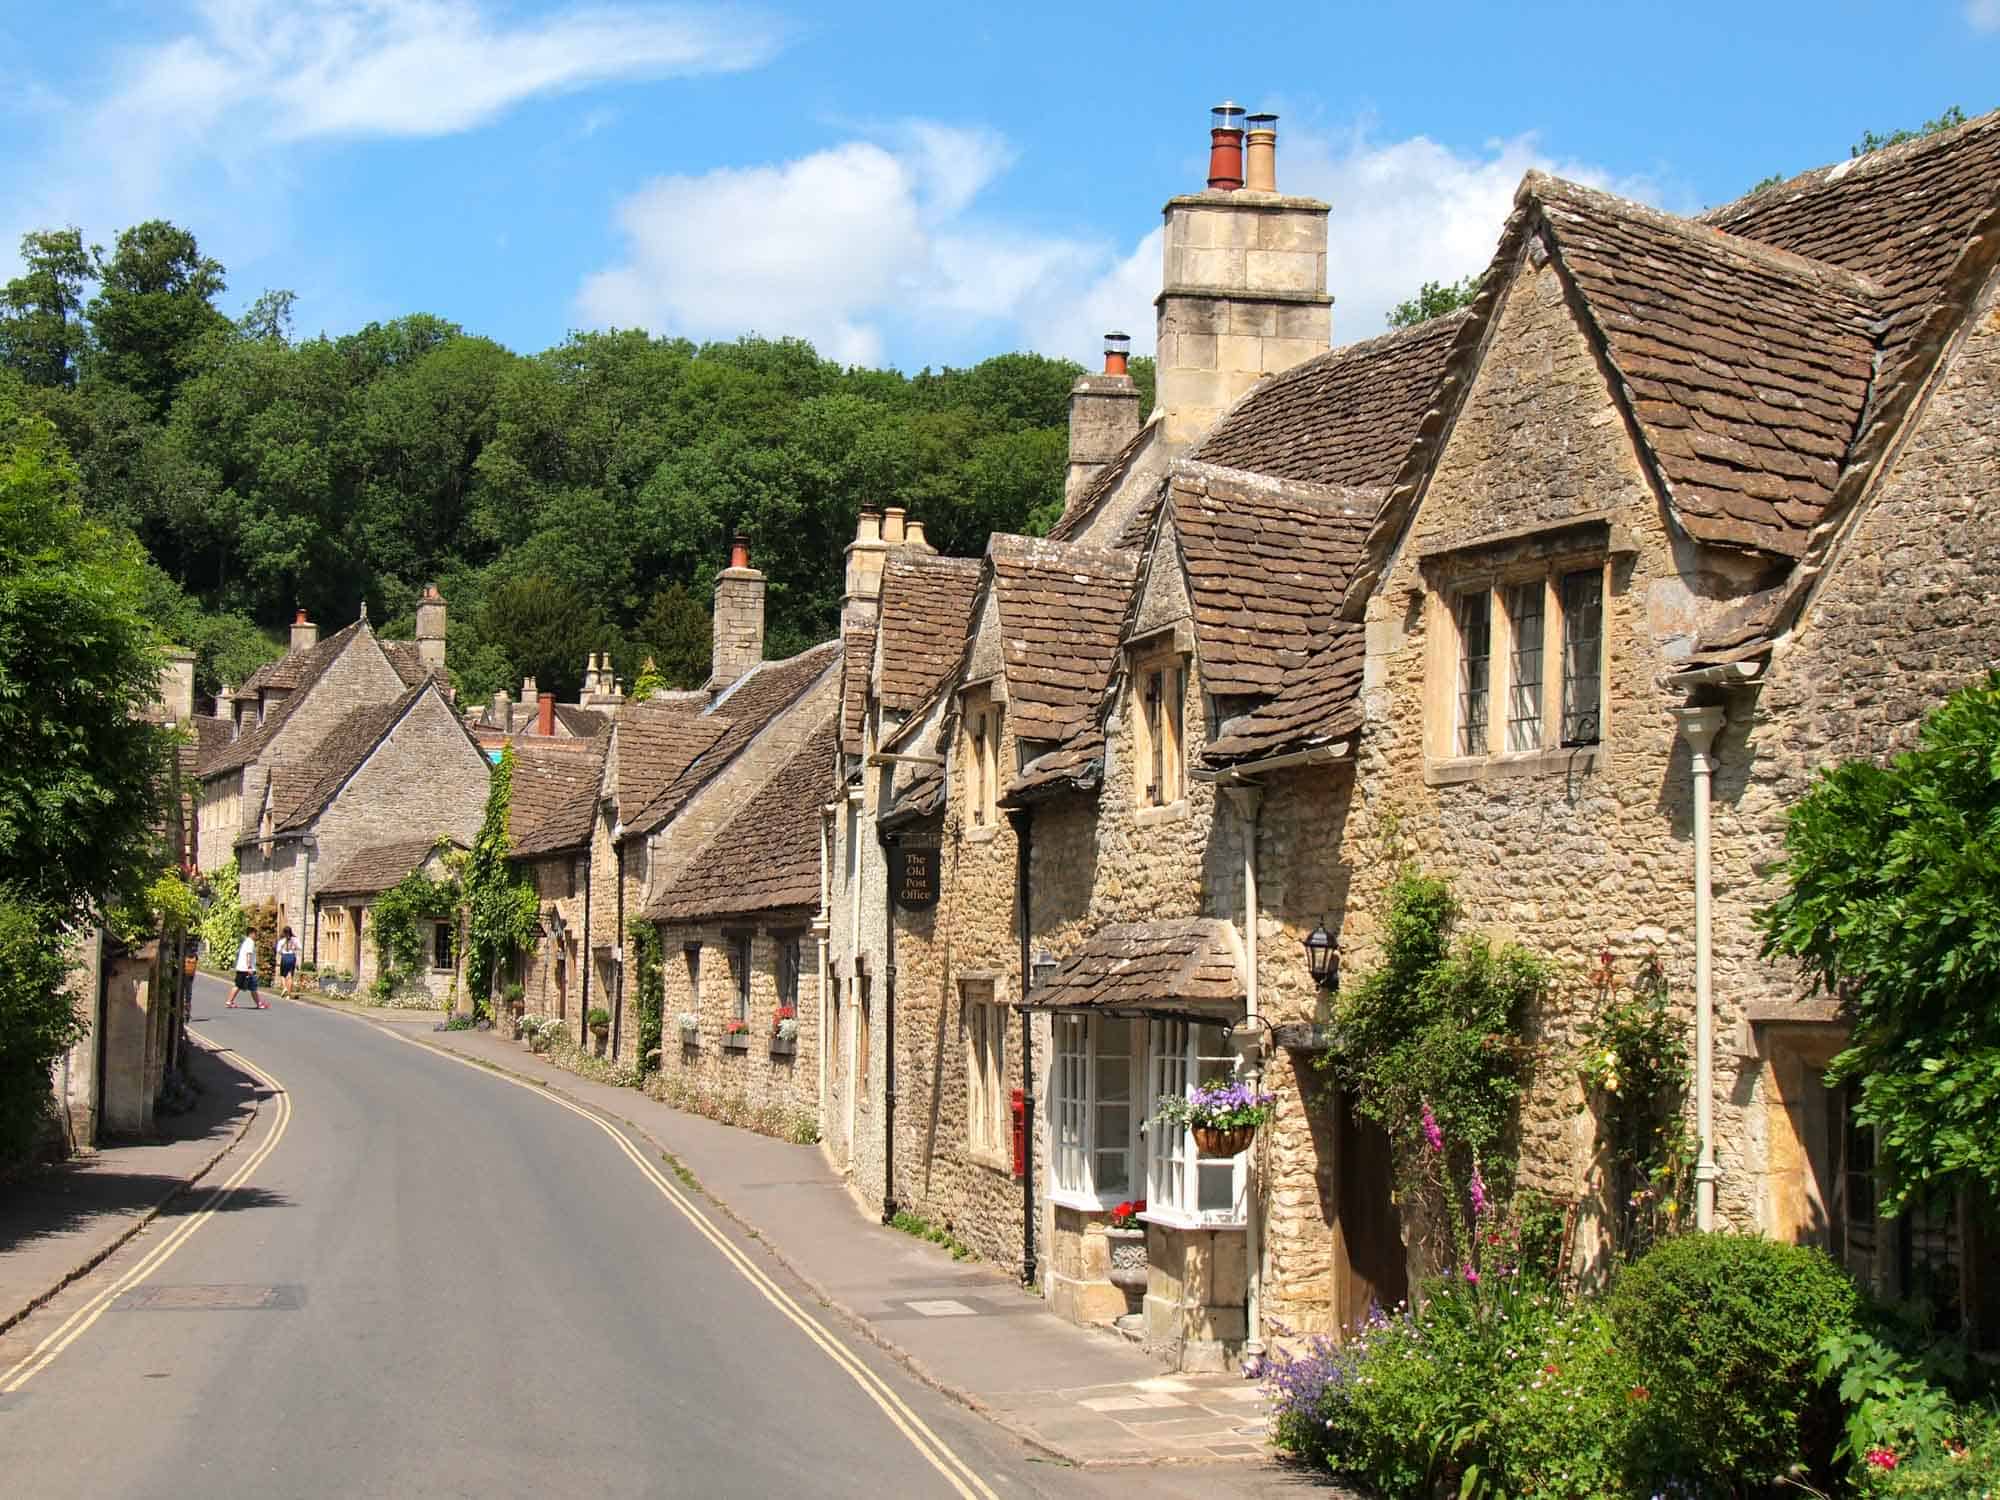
(968, 1329)
(57, 1222)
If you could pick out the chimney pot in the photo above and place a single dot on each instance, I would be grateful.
(528, 693)
(1260, 155)
(869, 528)
(545, 714)
(913, 536)
(892, 525)
(1225, 147)
(739, 551)
(1117, 353)
(305, 634)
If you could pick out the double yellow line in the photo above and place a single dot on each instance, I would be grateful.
(79, 1322)
(940, 1457)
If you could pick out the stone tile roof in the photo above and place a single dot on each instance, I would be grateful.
(553, 800)
(1318, 703)
(659, 740)
(749, 705)
(404, 658)
(1176, 964)
(1904, 217)
(1076, 765)
(767, 857)
(857, 651)
(1061, 610)
(300, 792)
(1104, 483)
(305, 669)
(917, 788)
(369, 872)
(1748, 369)
(1265, 561)
(1345, 417)
(211, 735)
(926, 607)
(581, 722)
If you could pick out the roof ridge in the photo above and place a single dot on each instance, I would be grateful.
(1882, 158)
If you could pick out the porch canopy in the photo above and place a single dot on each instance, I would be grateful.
(1185, 968)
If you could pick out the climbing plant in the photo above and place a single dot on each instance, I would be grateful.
(1429, 1047)
(224, 922)
(650, 988)
(394, 917)
(500, 901)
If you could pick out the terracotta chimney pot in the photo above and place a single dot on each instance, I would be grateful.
(1117, 353)
(1225, 147)
(545, 714)
(1260, 159)
(739, 551)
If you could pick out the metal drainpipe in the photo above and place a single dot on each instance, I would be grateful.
(859, 848)
(1699, 726)
(306, 911)
(618, 948)
(1023, 820)
(888, 1042)
(583, 1004)
(1249, 803)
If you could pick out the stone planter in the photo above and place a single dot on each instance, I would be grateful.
(784, 1046)
(1212, 1142)
(736, 1041)
(1128, 1260)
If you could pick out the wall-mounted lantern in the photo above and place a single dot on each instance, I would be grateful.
(1323, 957)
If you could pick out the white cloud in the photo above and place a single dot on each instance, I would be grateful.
(864, 244)
(1983, 14)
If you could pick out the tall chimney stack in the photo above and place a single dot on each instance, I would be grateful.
(865, 556)
(1103, 415)
(1243, 285)
(892, 525)
(545, 715)
(305, 634)
(739, 618)
(430, 630)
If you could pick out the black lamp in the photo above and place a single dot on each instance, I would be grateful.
(1323, 957)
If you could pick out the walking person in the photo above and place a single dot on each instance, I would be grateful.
(288, 963)
(246, 974)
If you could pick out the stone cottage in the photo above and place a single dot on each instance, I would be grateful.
(552, 815)
(341, 940)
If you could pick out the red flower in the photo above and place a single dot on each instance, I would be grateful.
(1637, 1393)
(1881, 1458)
(1551, 1369)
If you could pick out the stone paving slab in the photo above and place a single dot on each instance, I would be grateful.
(1008, 1357)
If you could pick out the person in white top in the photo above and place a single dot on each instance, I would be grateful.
(246, 974)
(288, 962)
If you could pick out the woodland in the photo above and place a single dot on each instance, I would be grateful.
(574, 500)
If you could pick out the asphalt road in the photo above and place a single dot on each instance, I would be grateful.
(429, 1281)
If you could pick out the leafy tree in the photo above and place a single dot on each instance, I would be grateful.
(544, 631)
(155, 305)
(42, 333)
(1434, 299)
(38, 1020)
(80, 771)
(678, 632)
(1893, 903)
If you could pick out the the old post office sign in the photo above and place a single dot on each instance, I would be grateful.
(913, 878)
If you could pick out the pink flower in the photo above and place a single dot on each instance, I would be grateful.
(1480, 1204)
(1471, 1277)
(1431, 1132)
(1881, 1458)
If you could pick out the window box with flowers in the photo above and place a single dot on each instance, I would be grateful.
(785, 1031)
(736, 1035)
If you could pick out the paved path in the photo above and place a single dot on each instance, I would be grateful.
(416, 1278)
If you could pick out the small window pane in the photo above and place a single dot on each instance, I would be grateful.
(1475, 665)
(1524, 666)
(1583, 656)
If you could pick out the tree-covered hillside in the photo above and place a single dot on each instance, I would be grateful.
(574, 500)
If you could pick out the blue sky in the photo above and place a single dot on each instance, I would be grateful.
(907, 184)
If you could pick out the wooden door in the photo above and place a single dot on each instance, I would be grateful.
(1371, 1266)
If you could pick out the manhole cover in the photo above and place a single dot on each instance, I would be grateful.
(225, 1297)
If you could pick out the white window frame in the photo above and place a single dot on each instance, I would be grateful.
(1510, 726)
(988, 1128)
(1078, 1113)
(1179, 1054)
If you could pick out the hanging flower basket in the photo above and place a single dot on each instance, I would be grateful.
(1223, 1140)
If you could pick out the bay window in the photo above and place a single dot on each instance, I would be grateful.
(1182, 1187)
(1093, 1111)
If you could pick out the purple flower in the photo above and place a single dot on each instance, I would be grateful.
(1480, 1203)
(1431, 1132)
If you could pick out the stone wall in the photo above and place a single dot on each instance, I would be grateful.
(550, 988)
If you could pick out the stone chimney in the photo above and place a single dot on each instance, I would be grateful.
(865, 556)
(545, 714)
(1103, 415)
(739, 618)
(892, 525)
(589, 677)
(914, 539)
(305, 634)
(430, 630)
(1243, 293)
(502, 713)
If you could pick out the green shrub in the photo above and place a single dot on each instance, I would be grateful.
(1724, 1332)
(1964, 1467)
(38, 1018)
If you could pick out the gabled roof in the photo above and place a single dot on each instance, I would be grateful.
(406, 659)
(1104, 483)
(370, 871)
(1076, 765)
(583, 723)
(302, 670)
(918, 787)
(1266, 560)
(1346, 417)
(767, 857)
(553, 800)
(926, 608)
(751, 703)
(657, 741)
(212, 737)
(1186, 965)
(1061, 607)
(300, 793)
(1318, 704)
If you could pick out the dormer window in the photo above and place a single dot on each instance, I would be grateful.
(980, 754)
(1159, 729)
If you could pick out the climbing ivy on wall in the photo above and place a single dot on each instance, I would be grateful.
(650, 988)
(394, 917)
(501, 905)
